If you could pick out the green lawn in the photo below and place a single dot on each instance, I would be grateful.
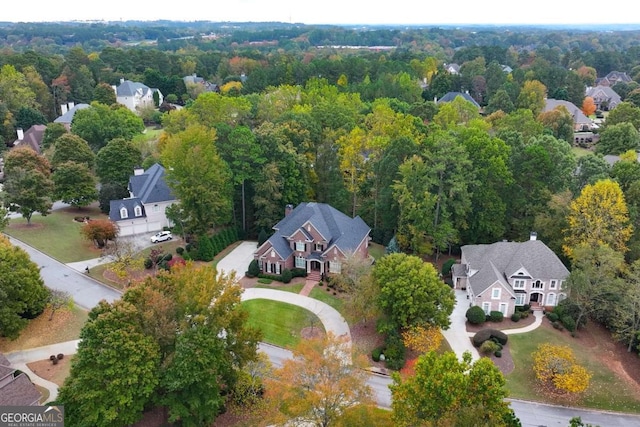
(57, 234)
(606, 391)
(376, 250)
(321, 294)
(580, 152)
(293, 288)
(280, 323)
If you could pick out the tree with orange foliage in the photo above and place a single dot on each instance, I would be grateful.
(99, 231)
(319, 383)
(556, 365)
(588, 106)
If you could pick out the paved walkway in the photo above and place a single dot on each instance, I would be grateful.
(19, 360)
(308, 287)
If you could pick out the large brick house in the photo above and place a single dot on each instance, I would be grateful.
(503, 275)
(316, 237)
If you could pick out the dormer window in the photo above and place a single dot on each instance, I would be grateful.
(137, 211)
(124, 213)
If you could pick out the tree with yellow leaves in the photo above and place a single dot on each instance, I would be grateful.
(422, 338)
(556, 365)
(599, 216)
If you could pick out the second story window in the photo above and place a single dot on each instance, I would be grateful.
(518, 284)
(318, 247)
(137, 211)
(300, 246)
(124, 213)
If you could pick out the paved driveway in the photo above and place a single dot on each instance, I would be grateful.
(456, 335)
(238, 259)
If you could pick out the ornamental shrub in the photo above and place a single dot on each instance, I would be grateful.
(286, 275)
(569, 323)
(475, 315)
(446, 267)
(515, 317)
(489, 347)
(254, 269)
(552, 316)
(179, 250)
(148, 263)
(488, 334)
(375, 355)
(496, 316)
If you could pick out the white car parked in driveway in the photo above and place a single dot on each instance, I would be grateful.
(161, 237)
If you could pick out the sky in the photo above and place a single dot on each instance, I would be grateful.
(339, 12)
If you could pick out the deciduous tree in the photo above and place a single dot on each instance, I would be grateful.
(99, 231)
(100, 123)
(618, 138)
(443, 388)
(532, 96)
(411, 292)
(23, 295)
(72, 148)
(319, 383)
(75, 184)
(116, 160)
(57, 300)
(556, 366)
(599, 216)
(588, 106)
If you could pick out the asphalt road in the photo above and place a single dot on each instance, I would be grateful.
(87, 293)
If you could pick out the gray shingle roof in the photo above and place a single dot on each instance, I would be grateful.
(336, 227)
(450, 96)
(19, 392)
(576, 113)
(151, 186)
(148, 187)
(500, 260)
(67, 117)
(32, 138)
(129, 88)
(607, 92)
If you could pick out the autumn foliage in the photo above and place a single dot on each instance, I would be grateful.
(422, 338)
(588, 106)
(556, 366)
(99, 231)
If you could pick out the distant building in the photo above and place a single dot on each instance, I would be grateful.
(450, 96)
(604, 97)
(135, 95)
(32, 138)
(68, 111)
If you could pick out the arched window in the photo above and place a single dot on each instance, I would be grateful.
(137, 211)
(124, 213)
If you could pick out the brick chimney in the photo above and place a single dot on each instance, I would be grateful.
(288, 209)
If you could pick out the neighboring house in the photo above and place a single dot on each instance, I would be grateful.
(68, 111)
(612, 78)
(15, 387)
(207, 86)
(507, 69)
(450, 96)
(144, 210)
(452, 68)
(580, 121)
(32, 138)
(604, 97)
(503, 275)
(135, 95)
(316, 237)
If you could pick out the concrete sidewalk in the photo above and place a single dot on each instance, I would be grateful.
(19, 360)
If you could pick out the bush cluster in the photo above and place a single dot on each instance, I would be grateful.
(208, 247)
(394, 351)
(516, 316)
(475, 315)
(496, 316)
(489, 334)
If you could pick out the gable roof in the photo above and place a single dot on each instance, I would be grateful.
(450, 96)
(498, 261)
(145, 188)
(618, 76)
(67, 117)
(576, 113)
(32, 138)
(600, 92)
(338, 229)
(18, 390)
(150, 186)
(453, 68)
(129, 88)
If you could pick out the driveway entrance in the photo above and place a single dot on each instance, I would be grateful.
(238, 259)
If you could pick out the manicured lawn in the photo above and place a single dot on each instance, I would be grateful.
(57, 234)
(294, 288)
(65, 326)
(580, 152)
(606, 391)
(280, 323)
(376, 250)
(321, 294)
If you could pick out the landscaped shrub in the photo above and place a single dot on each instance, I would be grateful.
(205, 249)
(54, 361)
(488, 334)
(286, 276)
(498, 353)
(179, 250)
(52, 357)
(167, 257)
(262, 237)
(148, 263)
(489, 347)
(375, 355)
(265, 281)
(496, 316)
(515, 317)
(188, 247)
(475, 315)
(60, 356)
(557, 325)
(446, 267)
(254, 269)
(569, 323)
(526, 307)
(298, 272)
(552, 316)
(395, 351)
